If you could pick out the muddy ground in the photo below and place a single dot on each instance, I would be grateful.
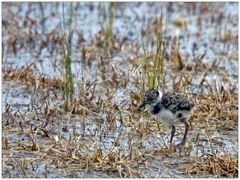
(102, 133)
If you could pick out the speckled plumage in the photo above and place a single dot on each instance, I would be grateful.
(169, 108)
(176, 102)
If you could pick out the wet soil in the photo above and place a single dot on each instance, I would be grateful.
(104, 134)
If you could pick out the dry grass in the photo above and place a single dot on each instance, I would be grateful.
(104, 134)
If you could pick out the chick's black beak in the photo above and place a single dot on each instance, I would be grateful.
(142, 105)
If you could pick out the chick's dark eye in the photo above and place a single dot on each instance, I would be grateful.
(151, 98)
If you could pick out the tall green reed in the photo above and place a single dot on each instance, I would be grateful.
(109, 28)
(108, 15)
(68, 87)
(153, 62)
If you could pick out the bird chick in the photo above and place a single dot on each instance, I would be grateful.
(169, 109)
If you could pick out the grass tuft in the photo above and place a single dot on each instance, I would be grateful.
(153, 64)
